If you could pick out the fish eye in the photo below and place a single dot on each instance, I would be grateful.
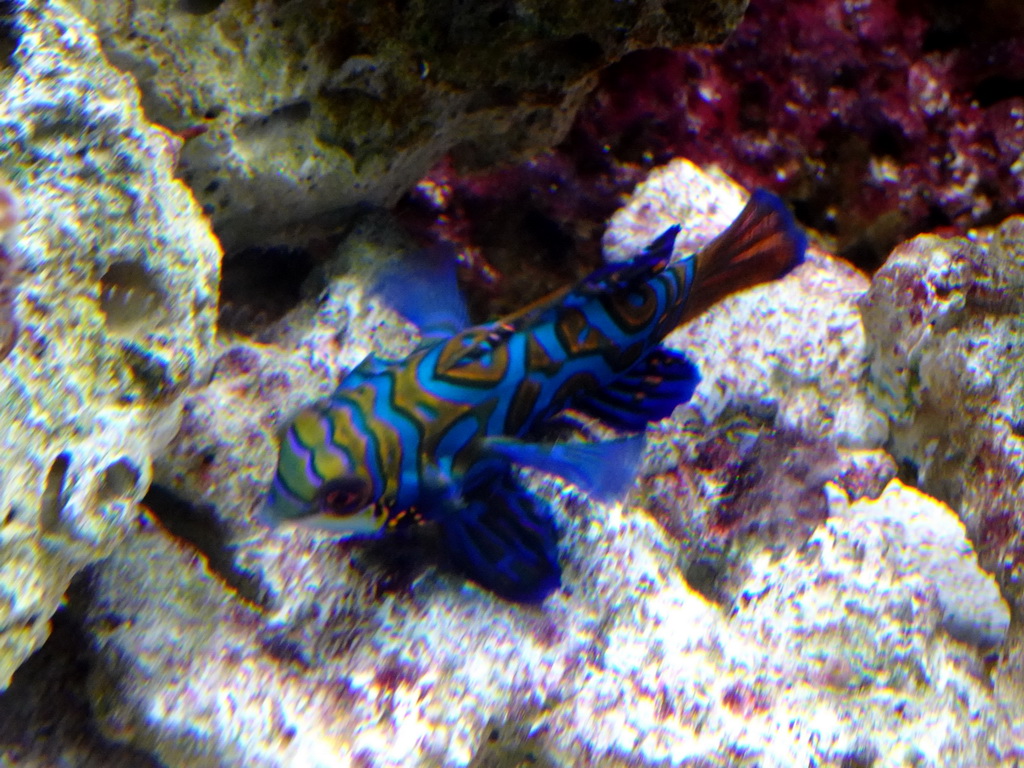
(340, 498)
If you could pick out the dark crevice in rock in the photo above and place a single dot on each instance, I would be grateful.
(54, 492)
(259, 286)
(943, 36)
(704, 576)
(395, 562)
(998, 88)
(199, 527)
(199, 7)
(255, 125)
(46, 715)
(10, 32)
(888, 140)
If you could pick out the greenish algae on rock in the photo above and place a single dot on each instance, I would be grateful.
(116, 305)
(308, 107)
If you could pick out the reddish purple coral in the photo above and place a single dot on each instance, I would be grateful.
(873, 117)
(877, 119)
(8, 320)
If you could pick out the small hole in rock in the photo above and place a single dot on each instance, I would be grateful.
(108, 622)
(257, 125)
(888, 140)
(259, 286)
(908, 472)
(581, 49)
(119, 481)
(54, 493)
(10, 32)
(199, 7)
(129, 295)
(498, 16)
(865, 757)
(704, 576)
(998, 88)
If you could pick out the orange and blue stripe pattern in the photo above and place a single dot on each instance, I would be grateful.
(435, 437)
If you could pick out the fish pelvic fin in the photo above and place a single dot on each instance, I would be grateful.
(762, 244)
(500, 535)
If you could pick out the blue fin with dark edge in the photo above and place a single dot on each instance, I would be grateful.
(653, 260)
(500, 535)
(425, 292)
(648, 392)
(604, 469)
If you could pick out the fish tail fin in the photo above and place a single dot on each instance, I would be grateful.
(763, 243)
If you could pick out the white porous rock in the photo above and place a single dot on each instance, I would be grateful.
(116, 308)
(830, 654)
(925, 538)
(945, 324)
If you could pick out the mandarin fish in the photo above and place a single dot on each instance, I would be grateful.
(436, 437)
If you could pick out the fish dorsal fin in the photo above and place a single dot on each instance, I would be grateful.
(641, 267)
(426, 292)
(763, 243)
(368, 367)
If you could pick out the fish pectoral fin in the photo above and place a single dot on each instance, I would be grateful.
(504, 539)
(648, 392)
(426, 293)
(603, 469)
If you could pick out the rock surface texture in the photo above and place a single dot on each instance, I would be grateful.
(945, 321)
(116, 303)
(327, 104)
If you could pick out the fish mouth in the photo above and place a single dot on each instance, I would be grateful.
(276, 512)
(277, 516)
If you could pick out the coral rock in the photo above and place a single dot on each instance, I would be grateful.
(946, 327)
(924, 537)
(116, 307)
(326, 104)
(828, 654)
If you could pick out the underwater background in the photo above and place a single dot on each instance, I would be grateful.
(819, 562)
